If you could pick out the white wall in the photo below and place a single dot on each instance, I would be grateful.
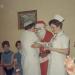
(46, 9)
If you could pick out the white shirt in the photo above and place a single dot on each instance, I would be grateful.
(30, 56)
(60, 40)
(56, 59)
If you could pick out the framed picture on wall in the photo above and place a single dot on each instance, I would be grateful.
(25, 16)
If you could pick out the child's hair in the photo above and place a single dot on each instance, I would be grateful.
(5, 43)
(17, 43)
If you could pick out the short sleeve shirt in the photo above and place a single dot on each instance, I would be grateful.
(60, 41)
(7, 57)
(18, 57)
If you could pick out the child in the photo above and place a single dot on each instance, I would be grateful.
(1, 67)
(7, 58)
(18, 67)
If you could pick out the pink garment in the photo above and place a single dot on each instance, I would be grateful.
(70, 65)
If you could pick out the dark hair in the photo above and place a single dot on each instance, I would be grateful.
(5, 43)
(17, 43)
(55, 22)
(29, 26)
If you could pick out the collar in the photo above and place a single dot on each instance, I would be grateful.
(6, 52)
(60, 33)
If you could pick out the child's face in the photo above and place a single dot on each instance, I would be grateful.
(6, 47)
(19, 46)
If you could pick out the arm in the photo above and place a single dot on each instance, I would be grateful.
(59, 50)
(64, 46)
(36, 45)
(5, 65)
(46, 45)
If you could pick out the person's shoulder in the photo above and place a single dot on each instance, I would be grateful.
(11, 53)
(22, 33)
(64, 36)
(26, 34)
(2, 54)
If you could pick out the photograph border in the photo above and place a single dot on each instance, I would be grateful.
(24, 16)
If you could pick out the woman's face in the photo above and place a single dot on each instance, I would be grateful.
(54, 28)
(32, 29)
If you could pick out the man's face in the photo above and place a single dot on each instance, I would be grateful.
(40, 31)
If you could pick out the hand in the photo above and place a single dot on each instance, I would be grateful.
(36, 45)
(33, 46)
(44, 53)
(51, 49)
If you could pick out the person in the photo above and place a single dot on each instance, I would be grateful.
(44, 36)
(30, 56)
(17, 57)
(1, 67)
(7, 58)
(59, 47)
(0, 55)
